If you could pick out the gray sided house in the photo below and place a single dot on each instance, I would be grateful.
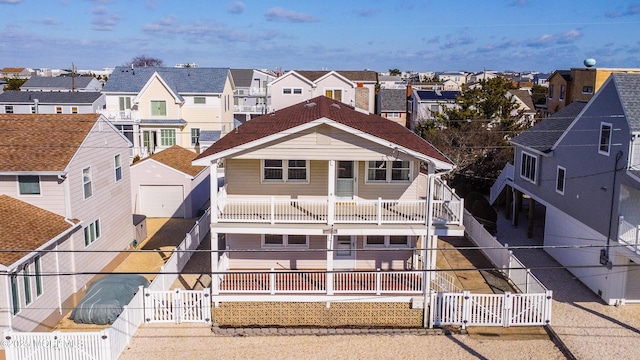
(424, 103)
(49, 102)
(167, 185)
(392, 105)
(250, 97)
(582, 165)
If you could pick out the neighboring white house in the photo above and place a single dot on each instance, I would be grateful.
(354, 88)
(64, 185)
(165, 184)
(51, 102)
(158, 107)
(322, 187)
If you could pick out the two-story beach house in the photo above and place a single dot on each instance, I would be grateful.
(250, 97)
(326, 189)
(354, 88)
(582, 165)
(65, 205)
(162, 106)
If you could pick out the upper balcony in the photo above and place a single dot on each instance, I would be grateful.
(446, 209)
(251, 109)
(252, 91)
(125, 116)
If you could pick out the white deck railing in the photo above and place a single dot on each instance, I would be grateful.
(276, 282)
(629, 234)
(505, 177)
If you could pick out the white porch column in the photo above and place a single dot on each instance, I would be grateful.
(329, 284)
(215, 278)
(213, 179)
(331, 192)
(428, 248)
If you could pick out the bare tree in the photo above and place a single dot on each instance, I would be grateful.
(144, 61)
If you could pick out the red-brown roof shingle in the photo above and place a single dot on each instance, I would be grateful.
(41, 142)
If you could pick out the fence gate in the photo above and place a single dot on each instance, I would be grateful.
(177, 306)
(466, 309)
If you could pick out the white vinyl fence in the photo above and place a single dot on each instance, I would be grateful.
(154, 304)
(502, 257)
(466, 309)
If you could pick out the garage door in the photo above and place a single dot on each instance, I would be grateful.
(162, 201)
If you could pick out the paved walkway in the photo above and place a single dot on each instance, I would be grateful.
(589, 328)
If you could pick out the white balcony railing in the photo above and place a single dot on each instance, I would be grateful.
(257, 109)
(447, 209)
(629, 234)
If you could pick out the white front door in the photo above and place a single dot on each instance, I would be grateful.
(346, 180)
(344, 255)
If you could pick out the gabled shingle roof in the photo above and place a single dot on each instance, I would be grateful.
(180, 80)
(42, 142)
(79, 82)
(26, 227)
(50, 97)
(393, 100)
(628, 86)
(524, 96)
(242, 77)
(353, 75)
(319, 108)
(544, 135)
(178, 158)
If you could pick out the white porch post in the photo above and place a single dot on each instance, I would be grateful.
(215, 277)
(329, 277)
(331, 192)
(428, 249)
(213, 178)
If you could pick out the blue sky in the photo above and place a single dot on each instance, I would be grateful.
(521, 35)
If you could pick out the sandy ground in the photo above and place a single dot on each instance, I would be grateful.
(197, 342)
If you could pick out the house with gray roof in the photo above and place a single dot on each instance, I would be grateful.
(582, 165)
(392, 105)
(425, 103)
(62, 83)
(250, 97)
(165, 106)
(51, 102)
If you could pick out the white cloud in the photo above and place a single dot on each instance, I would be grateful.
(282, 15)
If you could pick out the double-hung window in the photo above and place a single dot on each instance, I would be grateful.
(29, 185)
(86, 182)
(562, 92)
(91, 233)
(199, 100)
(26, 279)
(605, 138)
(292, 91)
(124, 103)
(385, 241)
(335, 94)
(37, 264)
(117, 163)
(528, 167)
(388, 171)
(279, 240)
(285, 170)
(167, 137)
(8, 109)
(560, 179)
(195, 136)
(15, 296)
(158, 108)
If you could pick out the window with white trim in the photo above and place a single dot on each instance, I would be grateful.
(292, 91)
(74, 109)
(335, 94)
(587, 89)
(86, 182)
(91, 233)
(605, 138)
(199, 100)
(26, 279)
(195, 136)
(560, 179)
(117, 163)
(386, 241)
(388, 171)
(15, 296)
(167, 137)
(279, 240)
(528, 167)
(158, 108)
(8, 109)
(29, 184)
(58, 109)
(37, 264)
(124, 103)
(393, 115)
(563, 89)
(275, 170)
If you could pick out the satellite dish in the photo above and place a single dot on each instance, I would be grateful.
(589, 62)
